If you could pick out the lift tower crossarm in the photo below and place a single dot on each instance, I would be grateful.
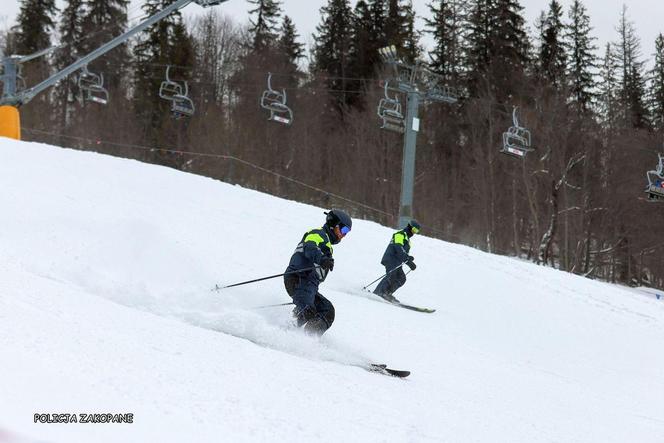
(25, 96)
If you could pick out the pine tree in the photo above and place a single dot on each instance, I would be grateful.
(632, 81)
(333, 46)
(608, 89)
(636, 94)
(364, 53)
(511, 42)
(534, 53)
(32, 34)
(361, 45)
(411, 36)
(480, 40)
(657, 85)
(400, 29)
(378, 12)
(446, 26)
(552, 57)
(264, 28)
(71, 33)
(288, 41)
(34, 24)
(104, 20)
(369, 35)
(291, 49)
(497, 45)
(581, 57)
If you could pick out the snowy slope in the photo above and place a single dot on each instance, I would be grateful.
(106, 266)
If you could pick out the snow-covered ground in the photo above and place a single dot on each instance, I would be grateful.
(106, 267)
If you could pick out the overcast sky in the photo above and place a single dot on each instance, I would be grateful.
(648, 15)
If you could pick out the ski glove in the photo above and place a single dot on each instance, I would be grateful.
(411, 264)
(327, 263)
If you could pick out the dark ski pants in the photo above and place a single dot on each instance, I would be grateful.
(392, 281)
(312, 310)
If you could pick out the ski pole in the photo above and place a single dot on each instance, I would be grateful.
(383, 276)
(218, 288)
(274, 306)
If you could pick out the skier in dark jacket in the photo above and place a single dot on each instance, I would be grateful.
(396, 254)
(312, 311)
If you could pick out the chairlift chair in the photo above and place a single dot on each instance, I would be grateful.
(389, 110)
(516, 140)
(655, 189)
(168, 88)
(182, 105)
(178, 95)
(275, 102)
(93, 86)
(445, 94)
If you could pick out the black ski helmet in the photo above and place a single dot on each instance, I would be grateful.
(414, 224)
(338, 217)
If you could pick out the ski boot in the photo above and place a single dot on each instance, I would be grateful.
(388, 298)
(302, 315)
(310, 321)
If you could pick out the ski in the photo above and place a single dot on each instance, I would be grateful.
(401, 305)
(413, 308)
(383, 369)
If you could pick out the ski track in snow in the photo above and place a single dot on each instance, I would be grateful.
(106, 270)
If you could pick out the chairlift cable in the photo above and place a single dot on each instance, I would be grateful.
(278, 74)
(258, 88)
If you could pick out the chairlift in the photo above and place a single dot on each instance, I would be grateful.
(93, 86)
(178, 95)
(445, 94)
(516, 140)
(389, 110)
(168, 88)
(275, 102)
(655, 189)
(182, 105)
(436, 91)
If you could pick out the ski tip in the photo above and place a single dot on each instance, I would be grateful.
(397, 373)
(383, 369)
(415, 308)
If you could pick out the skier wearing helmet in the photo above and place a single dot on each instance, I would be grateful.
(313, 256)
(397, 254)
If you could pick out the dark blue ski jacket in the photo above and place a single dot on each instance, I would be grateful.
(397, 251)
(315, 245)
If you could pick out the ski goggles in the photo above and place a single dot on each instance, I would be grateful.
(414, 230)
(342, 230)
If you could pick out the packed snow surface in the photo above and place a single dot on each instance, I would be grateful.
(106, 270)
